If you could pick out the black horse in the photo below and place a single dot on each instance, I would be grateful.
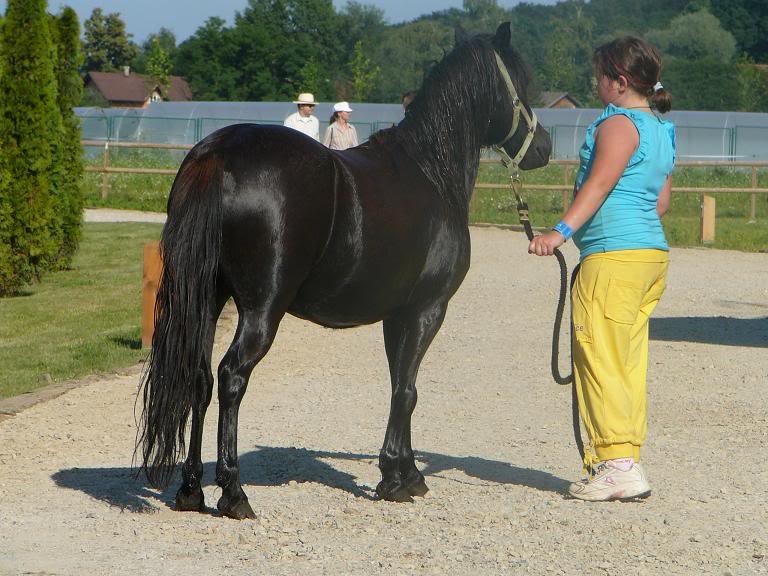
(281, 224)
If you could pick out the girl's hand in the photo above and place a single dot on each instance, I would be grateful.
(545, 244)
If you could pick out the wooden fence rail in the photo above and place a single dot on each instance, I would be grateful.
(105, 169)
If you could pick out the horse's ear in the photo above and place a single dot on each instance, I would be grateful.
(460, 35)
(503, 36)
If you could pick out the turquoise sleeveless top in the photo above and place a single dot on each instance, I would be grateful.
(627, 219)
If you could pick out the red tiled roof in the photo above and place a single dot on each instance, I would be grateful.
(117, 87)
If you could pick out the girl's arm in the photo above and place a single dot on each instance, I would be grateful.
(662, 204)
(615, 142)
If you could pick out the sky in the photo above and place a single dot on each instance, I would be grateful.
(183, 17)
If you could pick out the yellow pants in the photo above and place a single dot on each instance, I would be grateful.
(612, 299)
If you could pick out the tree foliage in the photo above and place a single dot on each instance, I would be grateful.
(159, 65)
(277, 48)
(107, 45)
(695, 36)
(747, 20)
(30, 128)
(364, 74)
(70, 157)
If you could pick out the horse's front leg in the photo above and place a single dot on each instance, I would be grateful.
(406, 337)
(254, 336)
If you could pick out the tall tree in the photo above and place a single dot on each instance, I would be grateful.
(692, 86)
(361, 23)
(208, 60)
(747, 20)
(406, 54)
(568, 49)
(695, 36)
(167, 40)
(159, 65)
(752, 86)
(30, 125)
(107, 45)
(69, 195)
(275, 40)
(364, 74)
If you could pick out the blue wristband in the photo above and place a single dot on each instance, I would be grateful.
(564, 229)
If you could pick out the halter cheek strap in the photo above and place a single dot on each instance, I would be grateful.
(517, 109)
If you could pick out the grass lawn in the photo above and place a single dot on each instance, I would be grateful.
(80, 321)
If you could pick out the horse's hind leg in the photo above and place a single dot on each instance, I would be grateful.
(406, 337)
(256, 331)
(190, 494)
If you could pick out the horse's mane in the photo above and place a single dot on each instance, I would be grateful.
(446, 124)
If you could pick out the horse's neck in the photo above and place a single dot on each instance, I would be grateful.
(448, 153)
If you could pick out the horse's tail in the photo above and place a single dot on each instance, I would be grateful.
(172, 378)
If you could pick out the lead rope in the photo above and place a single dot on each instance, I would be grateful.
(516, 185)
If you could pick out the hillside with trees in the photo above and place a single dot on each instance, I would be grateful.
(277, 48)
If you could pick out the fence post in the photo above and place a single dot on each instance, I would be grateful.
(566, 191)
(753, 200)
(153, 267)
(708, 219)
(105, 174)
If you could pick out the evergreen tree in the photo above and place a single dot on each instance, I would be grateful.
(107, 45)
(29, 127)
(70, 90)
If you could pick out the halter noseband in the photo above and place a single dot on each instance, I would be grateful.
(518, 108)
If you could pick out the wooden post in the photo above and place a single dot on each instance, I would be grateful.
(566, 190)
(153, 268)
(105, 174)
(708, 219)
(753, 200)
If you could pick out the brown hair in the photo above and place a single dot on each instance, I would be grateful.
(639, 63)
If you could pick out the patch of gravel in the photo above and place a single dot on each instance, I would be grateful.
(491, 430)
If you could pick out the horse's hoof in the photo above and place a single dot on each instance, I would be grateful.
(418, 488)
(190, 500)
(239, 510)
(393, 492)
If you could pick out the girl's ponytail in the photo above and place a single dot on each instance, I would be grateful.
(661, 99)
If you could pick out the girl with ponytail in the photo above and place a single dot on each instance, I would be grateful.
(622, 190)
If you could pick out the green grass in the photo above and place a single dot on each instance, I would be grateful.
(733, 229)
(79, 321)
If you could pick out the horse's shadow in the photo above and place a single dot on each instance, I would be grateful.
(275, 466)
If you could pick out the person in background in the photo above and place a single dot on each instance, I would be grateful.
(622, 190)
(303, 119)
(340, 134)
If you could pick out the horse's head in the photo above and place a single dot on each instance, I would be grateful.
(513, 125)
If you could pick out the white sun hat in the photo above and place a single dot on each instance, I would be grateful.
(306, 98)
(342, 107)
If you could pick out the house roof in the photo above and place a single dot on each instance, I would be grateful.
(549, 99)
(117, 87)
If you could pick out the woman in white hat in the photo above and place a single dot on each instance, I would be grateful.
(340, 134)
(303, 120)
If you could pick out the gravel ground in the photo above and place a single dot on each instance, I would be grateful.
(492, 434)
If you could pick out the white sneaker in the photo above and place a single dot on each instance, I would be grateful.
(620, 479)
